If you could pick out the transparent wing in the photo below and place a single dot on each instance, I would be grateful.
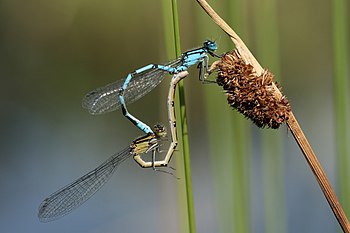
(105, 99)
(73, 195)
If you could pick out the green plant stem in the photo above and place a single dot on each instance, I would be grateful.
(267, 47)
(184, 129)
(176, 27)
(240, 154)
(341, 95)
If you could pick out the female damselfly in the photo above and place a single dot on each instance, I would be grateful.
(73, 195)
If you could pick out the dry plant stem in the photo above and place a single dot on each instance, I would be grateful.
(319, 173)
(292, 122)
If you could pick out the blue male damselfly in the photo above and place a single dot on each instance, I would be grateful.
(143, 80)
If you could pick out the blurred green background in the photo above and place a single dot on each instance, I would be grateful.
(244, 179)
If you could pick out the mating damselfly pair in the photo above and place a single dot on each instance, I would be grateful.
(117, 95)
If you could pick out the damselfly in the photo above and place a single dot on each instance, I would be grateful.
(143, 80)
(73, 195)
(172, 117)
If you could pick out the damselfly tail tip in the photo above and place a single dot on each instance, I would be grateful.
(251, 94)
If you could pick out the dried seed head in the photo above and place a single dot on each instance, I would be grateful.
(250, 94)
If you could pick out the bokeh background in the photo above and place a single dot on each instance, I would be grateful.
(245, 179)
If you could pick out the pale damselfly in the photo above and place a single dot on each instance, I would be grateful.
(73, 195)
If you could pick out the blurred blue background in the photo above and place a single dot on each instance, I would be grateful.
(54, 52)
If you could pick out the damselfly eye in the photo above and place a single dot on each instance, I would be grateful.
(210, 45)
(160, 130)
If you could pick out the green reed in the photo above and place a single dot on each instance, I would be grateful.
(173, 44)
(267, 47)
(227, 133)
(340, 30)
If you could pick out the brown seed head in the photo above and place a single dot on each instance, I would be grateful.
(251, 94)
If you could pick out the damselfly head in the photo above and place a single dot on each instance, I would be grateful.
(159, 130)
(210, 45)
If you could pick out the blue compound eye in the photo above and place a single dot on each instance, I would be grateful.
(210, 45)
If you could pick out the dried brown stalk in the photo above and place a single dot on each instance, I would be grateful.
(291, 122)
